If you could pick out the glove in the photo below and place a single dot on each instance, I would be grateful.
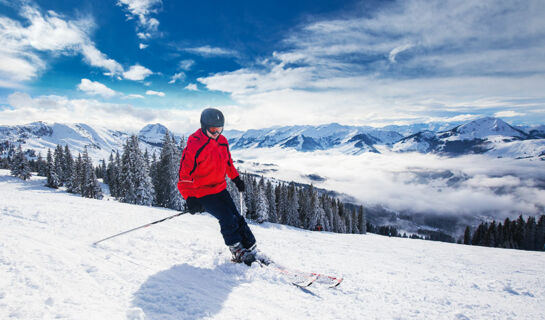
(240, 184)
(193, 205)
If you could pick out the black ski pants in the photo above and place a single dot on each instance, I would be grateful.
(233, 226)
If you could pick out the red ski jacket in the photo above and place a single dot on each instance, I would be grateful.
(204, 164)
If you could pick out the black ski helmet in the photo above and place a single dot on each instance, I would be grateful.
(211, 117)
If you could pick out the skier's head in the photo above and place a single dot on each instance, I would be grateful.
(212, 120)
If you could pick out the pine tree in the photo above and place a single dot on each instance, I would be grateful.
(292, 210)
(530, 234)
(271, 198)
(90, 186)
(262, 204)
(327, 205)
(282, 203)
(540, 234)
(340, 217)
(41, 166)
(20, 167)
(235, 195)
(113, 175)
(318, 213)
(76, 181)
(165, 175)
(467, 236)
(362, 220)
(68, 164)
(52, 177)
(58, 159)
(136, 185)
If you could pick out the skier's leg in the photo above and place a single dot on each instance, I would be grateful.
(248, 239)
(229, 225)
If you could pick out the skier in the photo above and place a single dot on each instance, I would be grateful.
(205, 162)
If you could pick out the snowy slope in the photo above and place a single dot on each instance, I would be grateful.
(180, 269)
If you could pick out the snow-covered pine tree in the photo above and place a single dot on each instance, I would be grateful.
(318, 213)
(282, 200)
(304, 206)
(52, 177)
(292, 210)
(262, 204)
(136, 185)
(530, 234)
(341, 212)
(271, 198)
(41, 165)
(540, 233)
(90, 186)
(58, 158)
(249, 196)
(326, 204)
(20, 167)
(165, 177)
(362, 220)
(175, 199)
(76, 181)
(68, 164)
(113, 173)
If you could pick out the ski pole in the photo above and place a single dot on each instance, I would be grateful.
(146, 225)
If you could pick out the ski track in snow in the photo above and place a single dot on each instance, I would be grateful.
(180, 269)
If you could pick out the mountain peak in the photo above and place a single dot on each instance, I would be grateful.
(486, 127)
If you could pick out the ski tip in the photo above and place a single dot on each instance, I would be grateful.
(336, 283)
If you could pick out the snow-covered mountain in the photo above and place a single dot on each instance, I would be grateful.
(487, 135)
(351, 139)
(100, 142)
(181, 269)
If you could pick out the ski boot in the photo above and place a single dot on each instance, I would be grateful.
(240, 254)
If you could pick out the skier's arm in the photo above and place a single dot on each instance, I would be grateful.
(185, 181)
(231, 170)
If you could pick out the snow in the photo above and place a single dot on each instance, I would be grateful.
(485, 127)
(180, 269)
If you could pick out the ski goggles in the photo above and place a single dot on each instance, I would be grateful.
(214, 130)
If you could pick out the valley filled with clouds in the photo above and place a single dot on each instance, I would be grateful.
(463, 189)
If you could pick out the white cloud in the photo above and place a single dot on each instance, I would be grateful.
(25, 109)
(410, 182)
(137, 72)
(22, 45)
(192, 87)
(475, 57)
(209, 51)
(142, 46)
(155, 93)
(397, 50)
(176, 77)
(134, 96)
(95, 88)
(142, 10)
(186, 64)
(98, 59)
(508, 114)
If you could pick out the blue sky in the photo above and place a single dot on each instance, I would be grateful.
(125, 63)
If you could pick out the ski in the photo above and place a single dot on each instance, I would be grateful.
(300, 278)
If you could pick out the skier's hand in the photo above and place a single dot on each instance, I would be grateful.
(240, 184)
(193, 205)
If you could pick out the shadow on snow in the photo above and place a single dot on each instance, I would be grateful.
(184, 292)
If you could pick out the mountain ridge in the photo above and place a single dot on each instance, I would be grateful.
(485, 135)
